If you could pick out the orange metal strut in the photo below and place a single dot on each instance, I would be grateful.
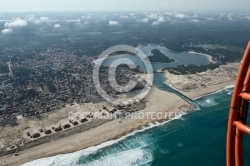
(238, 113)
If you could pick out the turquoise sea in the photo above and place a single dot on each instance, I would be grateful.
(196, 138)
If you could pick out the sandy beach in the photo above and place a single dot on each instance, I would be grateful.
(158, 101)
(193, 85)
(196, 85)
(209, 57)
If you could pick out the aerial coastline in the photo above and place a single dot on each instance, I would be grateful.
(42, 130)
(118, 128)
(108, 131)
(118, 83)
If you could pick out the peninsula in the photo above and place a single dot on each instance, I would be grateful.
(157, 56)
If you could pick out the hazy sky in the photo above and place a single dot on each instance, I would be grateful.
(128, 5)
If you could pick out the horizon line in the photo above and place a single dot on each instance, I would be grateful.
(103, 10)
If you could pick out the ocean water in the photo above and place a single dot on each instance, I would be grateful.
(197, 138)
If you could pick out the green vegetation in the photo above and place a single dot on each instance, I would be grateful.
(51, 87)
(32, 93)
(4, 69)
(121, 53)
(191, 69)
(157, 56)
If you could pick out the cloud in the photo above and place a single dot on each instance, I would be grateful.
(158, 18)
(152, 16)
(221, 16)
(155, 23)
(158, 21)
(124, 17)
(113, 23)
(40, 20)
(45, 19)
(194, 20)
(7, 30)
(57, 26)
(230, 16)
(31, 18)
(180, 15)
(161, 19)
(209, 18)
(76, 21)
(18, 22)
(169, 13)
(143, 20)
(247, 17)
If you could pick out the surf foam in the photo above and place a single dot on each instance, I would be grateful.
(73, 158)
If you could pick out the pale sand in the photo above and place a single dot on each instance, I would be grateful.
(159, 101)
(209, 90)
(209, 57)
(196, 85)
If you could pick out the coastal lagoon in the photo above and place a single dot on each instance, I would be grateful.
(181, 58)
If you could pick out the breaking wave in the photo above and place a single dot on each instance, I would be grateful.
(136, 151)
(141, 147)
